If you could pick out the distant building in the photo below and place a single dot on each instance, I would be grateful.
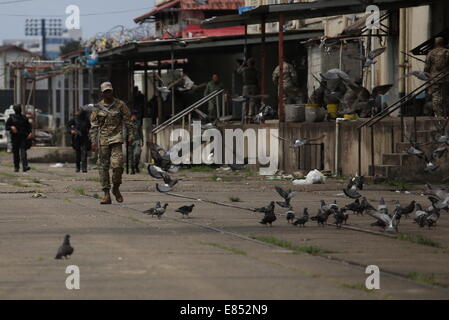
(9, 54)
(53, 43)
(182, 18)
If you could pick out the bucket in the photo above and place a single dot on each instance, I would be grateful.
(294, 113)
(332, 110)
(351, 116)
(314, 113)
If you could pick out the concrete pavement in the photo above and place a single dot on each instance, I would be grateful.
(219, 253)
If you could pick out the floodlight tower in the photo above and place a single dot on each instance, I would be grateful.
(43, 28)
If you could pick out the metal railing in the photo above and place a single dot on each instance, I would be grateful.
(187, 111)
(402, 102)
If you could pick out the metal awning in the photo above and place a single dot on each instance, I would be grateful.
(155, 10)
(160, 49)
(426, 46)
(307, 10)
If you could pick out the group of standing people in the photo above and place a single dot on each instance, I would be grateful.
(251, 89)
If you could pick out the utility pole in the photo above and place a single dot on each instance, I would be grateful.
(44, 39)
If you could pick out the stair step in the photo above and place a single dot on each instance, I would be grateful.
(401, 159)
(384, 170)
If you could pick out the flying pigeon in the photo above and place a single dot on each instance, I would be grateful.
(421, 75)
(268, 208)
(185, 210)
(442, 195)
(65, 250)
(286, 195)
(390, 224)
(296, 143)
(405, 210)
(370, 58)
(168, 183)
(302, 220)
(155, 171)
(354, 184)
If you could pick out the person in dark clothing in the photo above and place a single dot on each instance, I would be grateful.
(79, 129)
(20, 129)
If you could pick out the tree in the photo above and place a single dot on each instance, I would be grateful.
(70, 47)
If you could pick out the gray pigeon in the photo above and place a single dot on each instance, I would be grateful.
(157, 210)
(421, 75)
(290, 215)
(65, 250)
(370, 58)
(299, 142)
(286, 194)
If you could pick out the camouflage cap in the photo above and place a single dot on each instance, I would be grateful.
(106, 86)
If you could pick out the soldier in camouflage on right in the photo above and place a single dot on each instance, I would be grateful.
(437, 61)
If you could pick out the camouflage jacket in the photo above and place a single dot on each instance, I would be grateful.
(107, 127)
(437, 61)
(290, 76)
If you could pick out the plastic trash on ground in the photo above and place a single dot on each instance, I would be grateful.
(57, 165)
(313, 177)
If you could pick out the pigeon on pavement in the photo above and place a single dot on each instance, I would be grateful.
(302, 220)
(185, 210)
(290, 215)
(157, 210)
(65, 250)
(320, 218)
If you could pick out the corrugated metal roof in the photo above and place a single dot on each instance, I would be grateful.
(193, 5)
(212, 5)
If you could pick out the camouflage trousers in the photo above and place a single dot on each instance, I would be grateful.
(440, 100)
(110, 156)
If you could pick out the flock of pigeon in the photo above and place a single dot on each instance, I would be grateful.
(440, 137)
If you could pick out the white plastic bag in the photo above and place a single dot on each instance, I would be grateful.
(313, 177)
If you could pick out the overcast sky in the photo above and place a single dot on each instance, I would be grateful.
(14, 12)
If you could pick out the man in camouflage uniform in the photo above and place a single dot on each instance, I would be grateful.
(135, 148)
(438, 61)
(291, 91)
(107, 132)
(212, 86)
(250, 77)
